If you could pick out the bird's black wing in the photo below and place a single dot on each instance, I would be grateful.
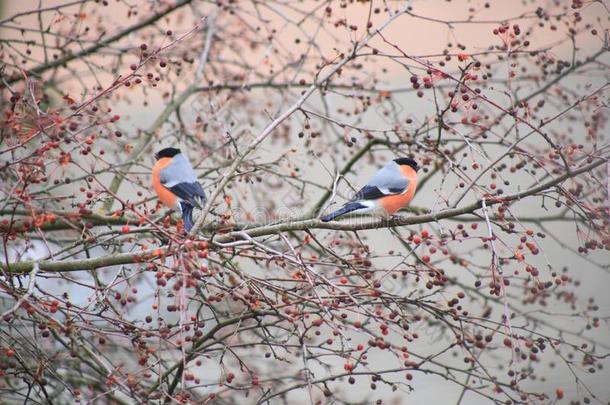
(374, 193)
(190, 192)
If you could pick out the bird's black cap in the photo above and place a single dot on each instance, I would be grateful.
(407, 162)
(167, 152)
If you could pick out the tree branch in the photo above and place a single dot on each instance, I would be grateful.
(282, 117)
(50, 266)
(88, 51)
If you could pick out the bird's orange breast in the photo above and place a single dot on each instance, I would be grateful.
(393, 203)
(168, 198)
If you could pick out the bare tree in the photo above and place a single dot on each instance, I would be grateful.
(490, 287)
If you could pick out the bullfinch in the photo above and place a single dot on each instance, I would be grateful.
(176, 184)
(390, 189)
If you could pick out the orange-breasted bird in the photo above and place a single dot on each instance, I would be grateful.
(176, 184)
(390, 189)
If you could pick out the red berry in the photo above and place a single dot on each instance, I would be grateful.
(559, 393)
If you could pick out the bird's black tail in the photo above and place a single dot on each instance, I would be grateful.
(349, 207)
(187, 216)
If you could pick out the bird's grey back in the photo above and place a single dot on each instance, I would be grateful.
(389, 179)
(179, 171)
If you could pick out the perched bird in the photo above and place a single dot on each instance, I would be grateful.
(176, 184)
(390, 189)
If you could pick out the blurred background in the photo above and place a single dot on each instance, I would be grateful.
(224, 72)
